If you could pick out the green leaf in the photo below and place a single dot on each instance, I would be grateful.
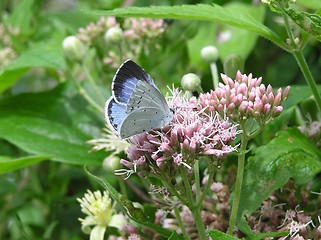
(198, 12)
(44, 137)
(8, 164)
(41, 56)
(217, 235)
(21, 16)
(309, 22)
(314, 4)
(289, 155)
(268, 235)
(241, 41)
(127, 207)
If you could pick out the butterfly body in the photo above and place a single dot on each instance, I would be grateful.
(137, 105)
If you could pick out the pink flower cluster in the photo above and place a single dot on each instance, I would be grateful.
(192, 133)
(245, 97)
(146, 28)
(96, 30)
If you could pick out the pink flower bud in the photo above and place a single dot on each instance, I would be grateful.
(269, 89)
(242, 89)
(285, 93)
(271, 97)
(231, 107)
(126, 163)
(259, 81)
(243, 106)
(258, 106)
(238, 76)
(161, 161)
(266, 109)
(262, 89)
(277, 111)
(252, 96)
(277, 99)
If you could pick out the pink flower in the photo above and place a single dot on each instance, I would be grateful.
(193, 133)
(245, 97)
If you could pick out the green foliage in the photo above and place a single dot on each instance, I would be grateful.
(8, 164)
(39, 56)
(46, 118)
(215, 234)
(289, 155)
(198, 12)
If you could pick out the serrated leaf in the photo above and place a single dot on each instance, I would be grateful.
(41, 56)
(43, 137)
(135, 214)
(217, 235)
(309, 22)
(289, 155)
(202, 12)
(8, 164)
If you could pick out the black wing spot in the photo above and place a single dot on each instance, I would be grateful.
(156, 112)
(145, 110)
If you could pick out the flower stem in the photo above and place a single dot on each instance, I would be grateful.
(207, 187)
(299, 57)
(197, 180)
(238, 184)
(93, 84)
(180, 223)
(83, 93)
(214, 74)
(192, 207)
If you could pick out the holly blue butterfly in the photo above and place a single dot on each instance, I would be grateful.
(136, 104)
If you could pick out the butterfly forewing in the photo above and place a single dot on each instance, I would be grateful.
(115, 113)
(126, 79)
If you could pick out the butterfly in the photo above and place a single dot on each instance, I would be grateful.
(136, 104)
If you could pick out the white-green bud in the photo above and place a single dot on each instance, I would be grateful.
(111, 163)
(191, 82)
(114, 35)
(209, 54)
(73, 48)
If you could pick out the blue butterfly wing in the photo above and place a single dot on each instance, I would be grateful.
(115, 113)
(126, 79)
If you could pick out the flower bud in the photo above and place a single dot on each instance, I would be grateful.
(111, 163)
(209, 54)
(191, 82)
(114, 35)
(73, 49)
(232, 64)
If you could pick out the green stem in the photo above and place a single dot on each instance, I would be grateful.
(197, 180)
(299, 57)
(174, 192)
(207, 187)
(83, 93)
(195, 211)
(180, 223)
(238, 184)
(188, 187)
(214, 74)
(93, 84)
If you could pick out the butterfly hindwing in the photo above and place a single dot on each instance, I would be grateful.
(142, 120)
(146, 95)
(126, 79)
